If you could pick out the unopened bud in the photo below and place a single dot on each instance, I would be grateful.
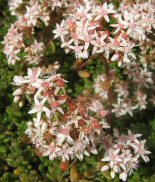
(115, 57)
(16, 99)
(19, 91)
(21, 103)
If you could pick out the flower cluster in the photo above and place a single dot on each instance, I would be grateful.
(34, 14)
(13, 44)
(22, 30)
(86, 31)
(141, 79)
(123, 153)
(126, 99)
(137, 19)
(55, 130)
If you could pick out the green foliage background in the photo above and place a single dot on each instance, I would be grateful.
(18, 161)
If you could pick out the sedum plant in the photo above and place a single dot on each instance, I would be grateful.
(73, 128)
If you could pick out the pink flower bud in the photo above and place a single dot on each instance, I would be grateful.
(19, 91)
